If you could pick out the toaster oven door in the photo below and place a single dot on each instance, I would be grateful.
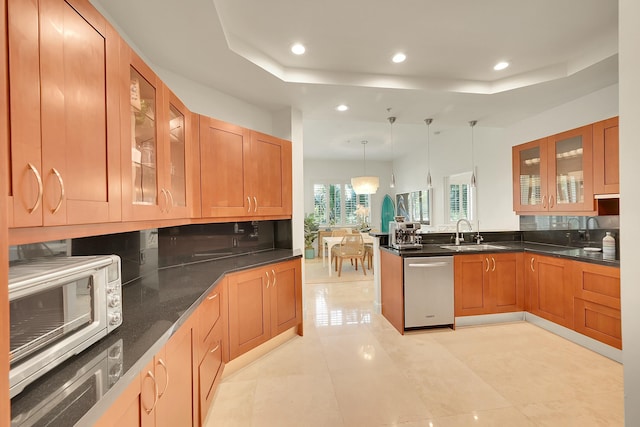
(54, 320)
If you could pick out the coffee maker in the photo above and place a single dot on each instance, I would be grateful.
(404, 235)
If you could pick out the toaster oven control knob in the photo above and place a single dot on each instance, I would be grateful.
(115, 318)
(114, 300)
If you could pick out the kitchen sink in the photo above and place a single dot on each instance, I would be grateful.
(473, 248)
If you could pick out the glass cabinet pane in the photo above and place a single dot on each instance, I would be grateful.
(177, 154)
(530, 191)
(143, 140)
(569, 171)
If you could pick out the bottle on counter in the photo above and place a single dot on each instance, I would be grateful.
(608, 246)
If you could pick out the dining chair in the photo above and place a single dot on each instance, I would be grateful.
(351, 247)
(368, 254)
(338, 232)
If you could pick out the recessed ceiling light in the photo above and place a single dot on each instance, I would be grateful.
(342, 107)
(399, 57)
(298, 49)
(501, 66)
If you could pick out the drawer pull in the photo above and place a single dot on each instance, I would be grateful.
(266, 273)
(532, 259)
(213, 350)
(487, 269)
(255, 202)
(274, 277)
(248, 204)
(214, 296)
(494, 264)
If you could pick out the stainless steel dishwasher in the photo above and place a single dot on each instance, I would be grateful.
(428, 292)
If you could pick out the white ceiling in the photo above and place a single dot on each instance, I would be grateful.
(559, 50)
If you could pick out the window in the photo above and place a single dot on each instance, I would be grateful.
(337, 204)
(459, 197)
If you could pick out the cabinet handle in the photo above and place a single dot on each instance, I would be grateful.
(170, 205)
(266, 273)
(532, 269)
(40, 189)
(544, 201)
(166, 373)
(551, 202)
(155, 396)
(214, 296)
(274, 277)
(249, 203)
(57, 174)
(487, 269)
(493, 260)
(255, 203)
(213, 350)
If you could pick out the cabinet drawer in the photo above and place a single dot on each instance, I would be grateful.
(209, 313)
(598, 322)
(210, 370)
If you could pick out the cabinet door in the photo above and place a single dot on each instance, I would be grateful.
(271, 175)
(551, 291)
(286, 296)
(177, 182)
(126, 411)
(471, 292)
(210, 370)
(530, 192)
(64, 114)
(606, 157)
(249, 310)
(174, 374)
(570, 162)
(224, 160)
(506, 282)
(141, 151)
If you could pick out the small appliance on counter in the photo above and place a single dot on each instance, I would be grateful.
(404, 235)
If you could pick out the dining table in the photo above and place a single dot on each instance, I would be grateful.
(329, 242)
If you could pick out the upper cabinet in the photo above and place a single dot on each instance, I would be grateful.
(243, 173)
(158, 139)
(554, 175)
(65, 144)
(606, 159)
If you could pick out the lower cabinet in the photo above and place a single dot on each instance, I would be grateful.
(246, 309)
(163, 394)
(597, 302)
(488, 283)
(263, 302)
(548, 281)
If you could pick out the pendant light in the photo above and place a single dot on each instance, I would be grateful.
(472, 123)
(429, 184)
(392, 120)
(365, 184)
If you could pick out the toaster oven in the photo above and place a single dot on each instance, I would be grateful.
(58, 307)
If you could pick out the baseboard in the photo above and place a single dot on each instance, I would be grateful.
(487, 319)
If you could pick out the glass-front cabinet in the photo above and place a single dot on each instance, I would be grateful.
(156, 146)
(554, 174)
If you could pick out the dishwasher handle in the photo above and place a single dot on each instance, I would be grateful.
(431, 265)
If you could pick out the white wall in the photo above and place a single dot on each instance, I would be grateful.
(341, 171)
(629, 34)
(451, 154)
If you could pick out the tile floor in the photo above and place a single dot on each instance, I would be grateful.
(352, 368)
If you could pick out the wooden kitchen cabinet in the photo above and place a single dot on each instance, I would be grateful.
(64, 119)
(263, 302)
(243, 173)
(597, 302)
(606, 157)
(554, 175)
(488, 283)
(549, 281)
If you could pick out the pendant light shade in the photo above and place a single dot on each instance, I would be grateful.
(472, 123)
(392, 120)
(365, 184)
(429, 183)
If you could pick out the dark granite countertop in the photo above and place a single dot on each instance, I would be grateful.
(574, 253)
(154, 307)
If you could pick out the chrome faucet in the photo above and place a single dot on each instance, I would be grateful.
(596, 227)
(459, 237)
